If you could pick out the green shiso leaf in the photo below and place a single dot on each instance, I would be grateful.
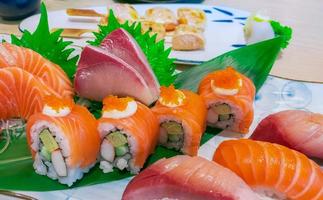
(49, 45)
(284, 31)
(255, 61)
(155, 52)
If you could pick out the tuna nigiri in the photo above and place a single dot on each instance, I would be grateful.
(182, 119)
(187, 178)
(296, 129)
(229, 98)
(271, 169)
(129, 133)
(21, 93)
(63, 140)
(47, 72)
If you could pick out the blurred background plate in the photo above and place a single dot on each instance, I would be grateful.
(224, 29)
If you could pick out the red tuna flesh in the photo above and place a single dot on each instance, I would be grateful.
(296, 129)
(187, 178)
(101, 73)
(124, 46)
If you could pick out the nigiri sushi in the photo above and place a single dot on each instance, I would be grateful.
(63, 140)
(187, 178)
(182, 119)
(128, 131)
(45, 71)
(229, 98)
(296, 129)
(272, 169)
(21, 94)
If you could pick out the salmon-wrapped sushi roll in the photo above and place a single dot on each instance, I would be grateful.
(229, 98)
(182, 117)
(63, 139)
(128, 131)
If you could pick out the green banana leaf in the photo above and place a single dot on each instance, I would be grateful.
(254, 61)
(17, 173)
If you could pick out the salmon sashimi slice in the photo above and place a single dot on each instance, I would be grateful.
(229, 98)
(271, 169)
(187, 178)
(77, 131)
(47, 72)
(190, 117)
(296, 129)
(21, 93)
(140, 131)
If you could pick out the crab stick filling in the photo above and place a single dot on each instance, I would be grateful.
(49, 159)
(115, 151)
(171, 130)
(117, 108)
(57, 107)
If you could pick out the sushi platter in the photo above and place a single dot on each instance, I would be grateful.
(116, 120)
(223, 28)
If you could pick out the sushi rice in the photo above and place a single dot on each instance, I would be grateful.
(121, 162)
(44, 167)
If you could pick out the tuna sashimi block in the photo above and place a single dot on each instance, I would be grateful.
(187, 178)
(296, 129)
(101, 73)
(124, 46)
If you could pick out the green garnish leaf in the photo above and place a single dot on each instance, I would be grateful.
(157, 56)
(50, 45)
(255, 61)
(284, 31)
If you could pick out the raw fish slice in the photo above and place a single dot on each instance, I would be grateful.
(184, 177)
(21, 93)
(272, 169)
(47, 72)
(124, 46)
(101, 74)
(296, 129)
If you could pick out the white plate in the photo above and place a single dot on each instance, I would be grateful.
(224, 29)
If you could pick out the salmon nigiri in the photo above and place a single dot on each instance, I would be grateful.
(229, 98)
(296, 129)
(187, 178)
(21, 93)
(182, 119)
(47, 72)
(271, 169)
(63, 140)
(129, 133)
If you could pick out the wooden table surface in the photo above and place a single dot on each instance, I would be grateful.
(302, 60)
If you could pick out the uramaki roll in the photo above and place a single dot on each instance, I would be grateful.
(63, 140)
(182, 118)
(229, 98)
(128, 131)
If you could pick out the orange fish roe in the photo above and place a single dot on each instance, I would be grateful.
(58, 103)
(114, 103)
(169, 95)
(228, 78)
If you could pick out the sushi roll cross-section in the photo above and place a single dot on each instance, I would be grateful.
(229, 98)
(63, 140)
(128, 131)
(182, 117)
